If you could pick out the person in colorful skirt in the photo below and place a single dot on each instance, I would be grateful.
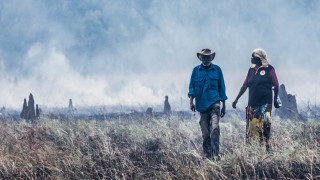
(208, 89)
(260, 80)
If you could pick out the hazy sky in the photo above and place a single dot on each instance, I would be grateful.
(118, 52)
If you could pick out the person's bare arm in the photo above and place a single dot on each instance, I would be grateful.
(276, 92)
(275, 85)
(192, 106)
(241, 92)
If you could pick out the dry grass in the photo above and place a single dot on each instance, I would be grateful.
(154, 149)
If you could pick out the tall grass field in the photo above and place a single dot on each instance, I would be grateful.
(141, 148)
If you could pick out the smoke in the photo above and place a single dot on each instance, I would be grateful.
(124, 52)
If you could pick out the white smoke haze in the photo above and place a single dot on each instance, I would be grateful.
(50, 73)
(135, 53)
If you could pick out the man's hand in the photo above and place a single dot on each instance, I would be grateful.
(234, 104)
(223, 112)
(192, 107)
(276, 104)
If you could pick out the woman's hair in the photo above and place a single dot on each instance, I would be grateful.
(262, 55)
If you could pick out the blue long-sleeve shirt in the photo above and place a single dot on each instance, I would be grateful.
(207, 86)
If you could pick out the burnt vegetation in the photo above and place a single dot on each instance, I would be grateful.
(151, 145)
(145, 148)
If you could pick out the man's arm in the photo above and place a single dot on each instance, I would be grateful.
(223, 109)
(192, 106)
(191, 93)
(223, 96)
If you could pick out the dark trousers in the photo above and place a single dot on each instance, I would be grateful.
(209, 123)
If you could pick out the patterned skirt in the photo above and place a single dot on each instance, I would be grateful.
(258, 122)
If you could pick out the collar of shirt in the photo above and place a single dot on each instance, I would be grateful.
(211, 67)
(257, 68)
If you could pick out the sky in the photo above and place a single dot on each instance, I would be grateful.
(121, 52)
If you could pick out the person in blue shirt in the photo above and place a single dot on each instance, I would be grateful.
(208, 89)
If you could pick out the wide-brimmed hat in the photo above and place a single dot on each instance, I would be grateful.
(206, 52)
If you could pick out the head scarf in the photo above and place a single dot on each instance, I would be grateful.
(260, 53)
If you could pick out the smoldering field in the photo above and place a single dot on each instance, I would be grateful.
(141, 148)
(134, 53)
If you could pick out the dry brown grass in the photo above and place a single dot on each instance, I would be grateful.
(156, 149)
